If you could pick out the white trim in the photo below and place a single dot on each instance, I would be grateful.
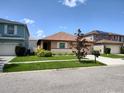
(12, 38)
(66, 45)
(58, 44)
(5, 29)
(10, 43)
(15, 29)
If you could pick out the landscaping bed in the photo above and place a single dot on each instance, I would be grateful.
(112, 55)
(49, 65)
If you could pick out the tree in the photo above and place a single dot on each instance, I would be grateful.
(81, 45)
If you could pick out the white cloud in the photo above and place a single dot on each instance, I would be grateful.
(73, 3)
(28, 21)
(40, 34)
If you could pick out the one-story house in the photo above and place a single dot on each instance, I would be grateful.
(59, 42)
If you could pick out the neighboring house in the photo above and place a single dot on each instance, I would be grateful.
(113, 45)
(59, 42)
(105, 40)
(98, 40)
(97, 35)
(12, 34)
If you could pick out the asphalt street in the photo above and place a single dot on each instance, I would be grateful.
(109, 79)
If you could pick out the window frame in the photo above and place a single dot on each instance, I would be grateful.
(10, 28)
(6, 29)
(61, 46)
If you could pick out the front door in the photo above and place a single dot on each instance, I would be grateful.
(47, 45)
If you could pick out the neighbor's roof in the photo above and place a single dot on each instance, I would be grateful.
(101, 32)
(96, 32)
(108, 42)
(6, 21)
(62, 36)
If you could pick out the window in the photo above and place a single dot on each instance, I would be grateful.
(61, 45)
(10, 29)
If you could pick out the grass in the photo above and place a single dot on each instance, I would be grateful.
(36, 58)
(112, 55)
(48, 65)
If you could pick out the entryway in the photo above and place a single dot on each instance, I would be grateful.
(47, 45)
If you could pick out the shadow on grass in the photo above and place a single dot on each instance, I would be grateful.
(10, 66)
(90, 62)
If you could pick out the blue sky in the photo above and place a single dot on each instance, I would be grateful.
(45, 17)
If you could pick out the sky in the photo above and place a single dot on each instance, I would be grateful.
(46, 17)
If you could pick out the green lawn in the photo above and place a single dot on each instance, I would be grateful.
(112, 56)
(48, 65)
(36, 58)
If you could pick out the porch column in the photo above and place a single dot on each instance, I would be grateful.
(41, 45)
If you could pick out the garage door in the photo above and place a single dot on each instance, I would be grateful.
(7, 48)
(115, 49)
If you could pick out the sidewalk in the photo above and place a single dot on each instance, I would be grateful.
(41, 61)
(107, 61)
(4, 60)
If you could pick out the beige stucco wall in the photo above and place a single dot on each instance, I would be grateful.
(55, 47)
(99, 48)
(115, 49)
(62, 50)
(54, 44)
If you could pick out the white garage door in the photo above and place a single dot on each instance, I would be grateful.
(7, 48)
(115, 49)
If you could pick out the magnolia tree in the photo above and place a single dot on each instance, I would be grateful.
(81, 45)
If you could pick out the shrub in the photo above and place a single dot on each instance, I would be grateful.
(43, 53)
(40, 52)
(47, 53)
(107, 50)
(20, 51)
(122, 50)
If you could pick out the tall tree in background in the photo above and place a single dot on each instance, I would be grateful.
(81, 45)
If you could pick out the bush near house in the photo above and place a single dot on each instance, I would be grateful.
(107, 50)
(122, 50)
(20, 51)
(48, 54)
(43, 53)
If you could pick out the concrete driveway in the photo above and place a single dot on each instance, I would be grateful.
(109, 79)
(108, 61)
(3, 60)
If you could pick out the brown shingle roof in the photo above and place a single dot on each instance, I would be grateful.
(108, 42)
(62, 36)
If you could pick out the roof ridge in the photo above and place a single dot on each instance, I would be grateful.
(2, 20)
(60, 36)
